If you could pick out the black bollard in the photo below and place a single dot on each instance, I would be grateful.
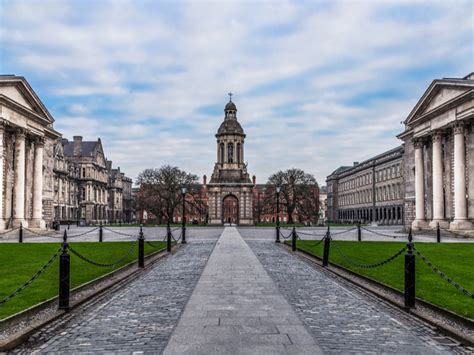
(293, 239)
(359, 232)
(410, 274)
(183, 228)
(277, 240)
(64, 272)
(20, 233)
(327, 241)
(68, 225)
(438, 234)
(141, 248)
(101, 233)
(168, 238)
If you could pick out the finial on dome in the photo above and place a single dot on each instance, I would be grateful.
(230, 96)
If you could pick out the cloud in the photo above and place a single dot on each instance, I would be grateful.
(317, 84)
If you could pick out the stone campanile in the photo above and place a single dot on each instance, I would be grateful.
(230, 187)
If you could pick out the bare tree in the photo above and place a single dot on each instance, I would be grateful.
(160, 190)
(296, 186)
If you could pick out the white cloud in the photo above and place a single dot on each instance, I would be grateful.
(308, 77)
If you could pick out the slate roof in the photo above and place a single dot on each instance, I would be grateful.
(230, 126)
(87, 148)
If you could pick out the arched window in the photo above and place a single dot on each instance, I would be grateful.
(238, 153)
(230, 152)
(221, 154)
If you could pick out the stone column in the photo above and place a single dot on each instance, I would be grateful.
(438, 198)
(38, 221)
(460, 206)
(2, 162)
(419, 221)
(19, 189)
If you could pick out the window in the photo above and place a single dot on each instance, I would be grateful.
(238, 153)
(221, 148)
(230, 152)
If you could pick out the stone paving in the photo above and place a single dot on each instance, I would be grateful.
(236, 308)
(139, 317)
(342, 318)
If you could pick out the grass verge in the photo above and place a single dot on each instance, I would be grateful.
(456, 260)
(18, 262)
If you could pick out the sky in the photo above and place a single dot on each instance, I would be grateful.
(317, 84)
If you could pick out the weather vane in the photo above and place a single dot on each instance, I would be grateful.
(230, 96)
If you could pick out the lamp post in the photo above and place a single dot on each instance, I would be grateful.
(278, 190)
(183, 218)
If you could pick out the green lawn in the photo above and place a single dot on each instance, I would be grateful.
(456, 260)
(18, 262)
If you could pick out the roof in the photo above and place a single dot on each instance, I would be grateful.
(230, 126)
(230, 106)
(88, 148)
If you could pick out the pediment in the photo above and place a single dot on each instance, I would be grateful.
(18, 90)
(439, 94)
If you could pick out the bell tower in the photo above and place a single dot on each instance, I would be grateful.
(230, 179)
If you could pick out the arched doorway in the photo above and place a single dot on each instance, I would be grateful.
(230, 209)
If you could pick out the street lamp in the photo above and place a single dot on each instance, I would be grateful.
(183, 218)
(278, 190)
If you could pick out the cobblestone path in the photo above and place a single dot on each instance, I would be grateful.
(138, 318)
(342, 318)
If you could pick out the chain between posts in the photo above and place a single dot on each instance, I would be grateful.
(31, 279)
(111, 264)
(381, 234)
(443, 276)
(355, 263)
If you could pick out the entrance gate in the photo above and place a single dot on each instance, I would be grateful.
(230, 209)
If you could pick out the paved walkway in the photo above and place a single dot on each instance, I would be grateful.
(236, 308)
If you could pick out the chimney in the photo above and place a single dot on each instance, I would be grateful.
(356, 163)
(204, 180)
(109, 164)
(77, 145)
(254, 179)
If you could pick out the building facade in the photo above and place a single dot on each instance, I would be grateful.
(439, 156)
(44, 178)
(371, 191)
(27, 139)
(230, 188)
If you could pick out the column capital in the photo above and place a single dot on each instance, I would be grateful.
(437, 136)
(39, 141)
(458, 127)
(418, 143)
(20, 132)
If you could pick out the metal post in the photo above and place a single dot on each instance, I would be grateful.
(64, 275)
(438, 234)
(101, 233)
(183, 218)
(168, 237)
(359, 232)
(20, 233)
(327, 241)
(410, 274)
(68, 225)
(277, 240)
(293, 239)
(141, 248)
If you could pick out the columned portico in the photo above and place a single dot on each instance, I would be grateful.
(460, 206)
(438, 196)
(420, 219)
(19, 187)
(37, 220)
(2, 163)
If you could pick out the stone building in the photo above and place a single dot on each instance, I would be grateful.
(89, 158)
(439, 156)
(128, 200)
(27, 139)
(230, 187)
(371, 191)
